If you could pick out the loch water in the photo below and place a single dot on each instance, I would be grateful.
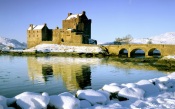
(55, 75)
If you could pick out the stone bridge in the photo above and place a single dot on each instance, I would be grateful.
(147, 48)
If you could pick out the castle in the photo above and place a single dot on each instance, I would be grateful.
(76, 29)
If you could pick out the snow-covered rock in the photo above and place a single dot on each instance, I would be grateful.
(164, 79)
(130, 85)
(94, 97)
(85, 104)
(148, 87)
(157, 93)
(3, 103)
(130, 93)
(162, 101)
(64, 101)
(30, 100)
(106, 94)
(112, 88)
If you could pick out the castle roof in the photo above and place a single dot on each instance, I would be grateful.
(36, 27)
(73, 16)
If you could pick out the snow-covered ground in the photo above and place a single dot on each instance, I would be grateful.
(64, 49)
(169, 57)
(157, 93)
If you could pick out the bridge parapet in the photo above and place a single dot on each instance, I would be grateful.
(147, 48)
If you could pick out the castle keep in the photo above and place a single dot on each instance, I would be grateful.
(76, 29)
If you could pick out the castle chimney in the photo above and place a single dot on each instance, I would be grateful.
(57, 27)
(78, 17)
(83, 12)
(31, 26)
(69, 14)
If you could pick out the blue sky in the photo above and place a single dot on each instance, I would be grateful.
(110, 18)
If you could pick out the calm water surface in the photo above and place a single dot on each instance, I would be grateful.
(55, 75)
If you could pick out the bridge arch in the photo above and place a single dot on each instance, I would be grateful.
(137, 52)
(154, 52)
(123, 52)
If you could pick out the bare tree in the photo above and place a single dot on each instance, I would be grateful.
(149, 41)
(126, 40)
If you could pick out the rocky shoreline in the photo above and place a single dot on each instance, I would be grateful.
(142, 94)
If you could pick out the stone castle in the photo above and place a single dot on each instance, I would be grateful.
(76, 29)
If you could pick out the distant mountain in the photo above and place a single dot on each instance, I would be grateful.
(166, 38)
(6, 42)
(107, 43)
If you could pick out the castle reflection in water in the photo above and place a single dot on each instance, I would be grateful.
(74, 72)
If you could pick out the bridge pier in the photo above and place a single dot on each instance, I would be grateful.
(129, 54)
(146, 54)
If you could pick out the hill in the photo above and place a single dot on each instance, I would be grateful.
(166, 38)
(6, 42)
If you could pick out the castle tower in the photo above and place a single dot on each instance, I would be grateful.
(78, 22)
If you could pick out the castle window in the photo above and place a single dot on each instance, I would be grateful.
(62, 40)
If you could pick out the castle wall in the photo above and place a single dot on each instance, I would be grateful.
(75, 30)
(34, 37)
(67, 24)
(56, 36)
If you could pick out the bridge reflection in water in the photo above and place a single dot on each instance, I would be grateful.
(74, 75)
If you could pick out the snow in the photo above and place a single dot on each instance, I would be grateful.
(31, 100)
(156, 93)
(3, 103)
(64, 101)
(112, 88)
(130, 93)
(166, 38)
(36, 27)
(6, 42)
(73, 16)
(94, 97)
(168, 57)
(84, 104)
(148, 87)
(64, 49)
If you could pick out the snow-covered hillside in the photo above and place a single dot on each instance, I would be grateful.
(166, 38)
(6, 42)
